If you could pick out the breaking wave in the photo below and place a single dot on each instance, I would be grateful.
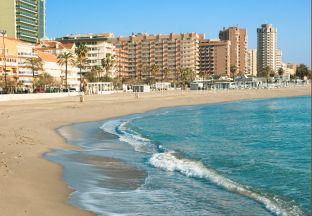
(169, 161)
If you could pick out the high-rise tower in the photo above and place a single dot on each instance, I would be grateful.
(238, 49)
(266, 47)
(23, 19)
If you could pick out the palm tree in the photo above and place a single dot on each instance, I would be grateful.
(93, 75)
(145, 73)
(108, 63)
(36, 65)
(165, 75)
(233, 70)
(186, 74)
(154, 71)
(81, 50)
(138, 74)
(266, 71)
(81, 60)
(203, 75)
(66, 58)
(96, 70)
(45, 80)
(302, 71)
(280, 72)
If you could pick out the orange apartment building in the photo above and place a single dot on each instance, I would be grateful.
(169, 52)
(238, 52)
(214, 57)
(8, 58)
(121, 62)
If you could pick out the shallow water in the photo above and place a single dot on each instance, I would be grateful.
(240, 158)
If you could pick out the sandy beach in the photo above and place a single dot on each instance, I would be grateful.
(31, 185)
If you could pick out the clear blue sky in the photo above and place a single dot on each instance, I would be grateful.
(122, 17)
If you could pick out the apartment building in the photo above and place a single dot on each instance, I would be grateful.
(266, 47)
(121, 62)
(252, 62)
(55, 47)
(168, 53)
(23, 19)
(8, 58)
(214, 57)
(25, 50)
(278, 59)
(238, 51)
(98, 46)
(50, 65)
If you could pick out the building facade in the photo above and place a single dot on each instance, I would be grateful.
(238, 38)
(8, 58)
(252, 62)
(278, 59)
(214, 57)
(97, 44)
(25, 50)
(266, 47)
(55, 47)
(23, 19)
(121, 62)
(167, 54)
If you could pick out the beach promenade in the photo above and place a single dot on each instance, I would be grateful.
(31, 185)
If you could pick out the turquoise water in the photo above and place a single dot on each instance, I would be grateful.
(240, 158)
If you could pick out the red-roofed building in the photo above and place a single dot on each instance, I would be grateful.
(55, 47)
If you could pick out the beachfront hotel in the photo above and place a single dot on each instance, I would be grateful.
(170, 53)
(214, 57)
(23, 19)
(135, 54)
(238, 38)
(266, 47)
(97, 44)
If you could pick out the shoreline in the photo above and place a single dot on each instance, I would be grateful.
(32, 185)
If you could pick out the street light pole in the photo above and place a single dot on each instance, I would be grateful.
(3, 32)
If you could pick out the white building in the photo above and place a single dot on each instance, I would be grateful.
(252, 62)
(288, 69)
(266, 47)
(51, 67)
(278, 59)
(97, 44)
(24, 51)
(55, 47)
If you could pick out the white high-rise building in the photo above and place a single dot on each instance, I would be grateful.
(252, 62)
(278, 59)
(266, 47)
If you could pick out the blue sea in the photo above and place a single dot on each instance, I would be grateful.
(248, 157)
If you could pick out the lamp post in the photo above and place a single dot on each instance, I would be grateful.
(3, 32)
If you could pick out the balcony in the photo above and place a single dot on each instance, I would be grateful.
(27, 38)
(27, 8)
(29, 2)
(27, 15)
(26, 28)
(25, 21)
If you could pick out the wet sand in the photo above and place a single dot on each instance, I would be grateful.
(31, 185)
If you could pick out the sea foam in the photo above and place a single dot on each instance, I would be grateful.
(119, 128)
(169, 162)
